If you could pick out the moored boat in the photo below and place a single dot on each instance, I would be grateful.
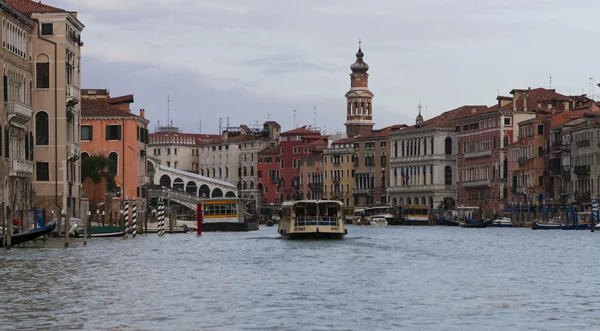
(378, 221)
(19, 238)
(476, 224)
(443, 221)
(503, 222)
(99, 231)
(312, 219)
(226, 214)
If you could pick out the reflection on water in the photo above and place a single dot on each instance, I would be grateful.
(412, 278)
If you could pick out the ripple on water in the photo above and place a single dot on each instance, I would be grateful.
(413, 278)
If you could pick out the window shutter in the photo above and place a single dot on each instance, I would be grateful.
(107, 132)
(138, 132)
(91, 132)
(31, 145)
(26, 147)
(0, 139)
(6, 142)
(119, 128)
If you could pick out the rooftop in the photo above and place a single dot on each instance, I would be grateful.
(28, 7)
(102, 108)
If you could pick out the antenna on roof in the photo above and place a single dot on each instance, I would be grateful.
(315, 116)
(591, 85)
(426, 108)
(294, 117)
(268, 116)
(200, 126)
(168, 109)
(550, 81)
(220, 124)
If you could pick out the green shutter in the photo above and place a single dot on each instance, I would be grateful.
(107, 132)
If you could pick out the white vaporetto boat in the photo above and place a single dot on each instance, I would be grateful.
(311, 219)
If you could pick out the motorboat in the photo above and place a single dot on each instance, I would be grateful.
(312, 219)
(378, 221)
(502, 222)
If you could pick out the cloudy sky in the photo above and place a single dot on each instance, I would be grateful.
(248, 60)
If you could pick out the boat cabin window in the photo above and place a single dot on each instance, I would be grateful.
(221, 209)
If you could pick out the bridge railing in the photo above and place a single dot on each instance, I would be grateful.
(173, 195)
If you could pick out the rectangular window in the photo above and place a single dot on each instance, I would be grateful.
(113, 132)
(47, 29)
(541, 129)
(86, 132)
(507, 121)
(42, 75)
(42, 171)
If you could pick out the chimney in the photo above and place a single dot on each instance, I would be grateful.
(225, 135)
(142, 113)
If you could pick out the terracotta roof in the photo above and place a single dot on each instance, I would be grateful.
(272, 123)
(446, 119)
(122, 99)
(271, 150)
(28, 6)
(86, 91)
(102, 108)
(301, 130)
(344, 141)
(562, 117)
(245, 127)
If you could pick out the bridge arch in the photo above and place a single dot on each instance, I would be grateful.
(165, 181)
(204, 191)
(191, 188)
(178, 184)
(217, 193)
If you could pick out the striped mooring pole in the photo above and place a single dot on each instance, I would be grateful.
(134, 218)
(126, 218)
(161, 218)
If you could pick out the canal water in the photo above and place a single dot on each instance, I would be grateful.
(395, 278)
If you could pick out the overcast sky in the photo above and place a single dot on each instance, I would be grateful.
(247, 59)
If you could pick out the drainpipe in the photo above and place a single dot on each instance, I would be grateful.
(55, 117)
(123, 152)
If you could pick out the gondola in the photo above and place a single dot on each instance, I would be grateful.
(19, 238)
(484, 224)
(443, 221)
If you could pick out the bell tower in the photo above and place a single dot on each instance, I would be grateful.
(359, 106)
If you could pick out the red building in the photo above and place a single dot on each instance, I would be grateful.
(483, 138)
(279, 166)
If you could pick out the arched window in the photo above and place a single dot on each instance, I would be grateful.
(42, 71)
(506, 141)
(245, 172)
(448, 175)
(41, 129)
(113, 163)
(448, 142)
(252, 171)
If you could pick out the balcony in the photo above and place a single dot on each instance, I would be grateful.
(361, 191)
(582, 196)
(72, 150)
(18, 112)
(477, 154)
(583, 143)
(582, 170)
(477, 183)
(73, 92)
(556, 144)
(274, 180)
(522, 160)
(21, 168)
(336, 164)
(316, 186)
(519, 189)
(335, 179)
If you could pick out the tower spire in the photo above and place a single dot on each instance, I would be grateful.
(419, 117)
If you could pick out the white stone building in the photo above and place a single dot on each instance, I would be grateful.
(423, 162)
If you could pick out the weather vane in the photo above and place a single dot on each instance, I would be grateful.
(359, 43)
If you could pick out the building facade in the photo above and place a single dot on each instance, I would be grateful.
(55, 55)
(16, 125)
(176, 149)
(311, 176)
(423, 161)
(110, 129)
(338, 171)
(278, 167)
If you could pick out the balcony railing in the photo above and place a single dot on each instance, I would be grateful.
(583, 143)
(335, 179)
(478, 154)
(73, 92)
(72, 150)
(361, 191)
(18, 112)
(557, 144)
(582, 196)
(582, 170)
(522, 160)
(316, 186)
(336, 164)
(21, 168)
(477, 183)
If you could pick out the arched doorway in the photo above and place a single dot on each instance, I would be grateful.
(165, 181)
(230, 194)
(178, 184)
(423, 201)
(394, 202)
(401, 201)
(408, 201)
(204, 191)
(431, 202)
(217, 193)
(191, 188)
(416, 201)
